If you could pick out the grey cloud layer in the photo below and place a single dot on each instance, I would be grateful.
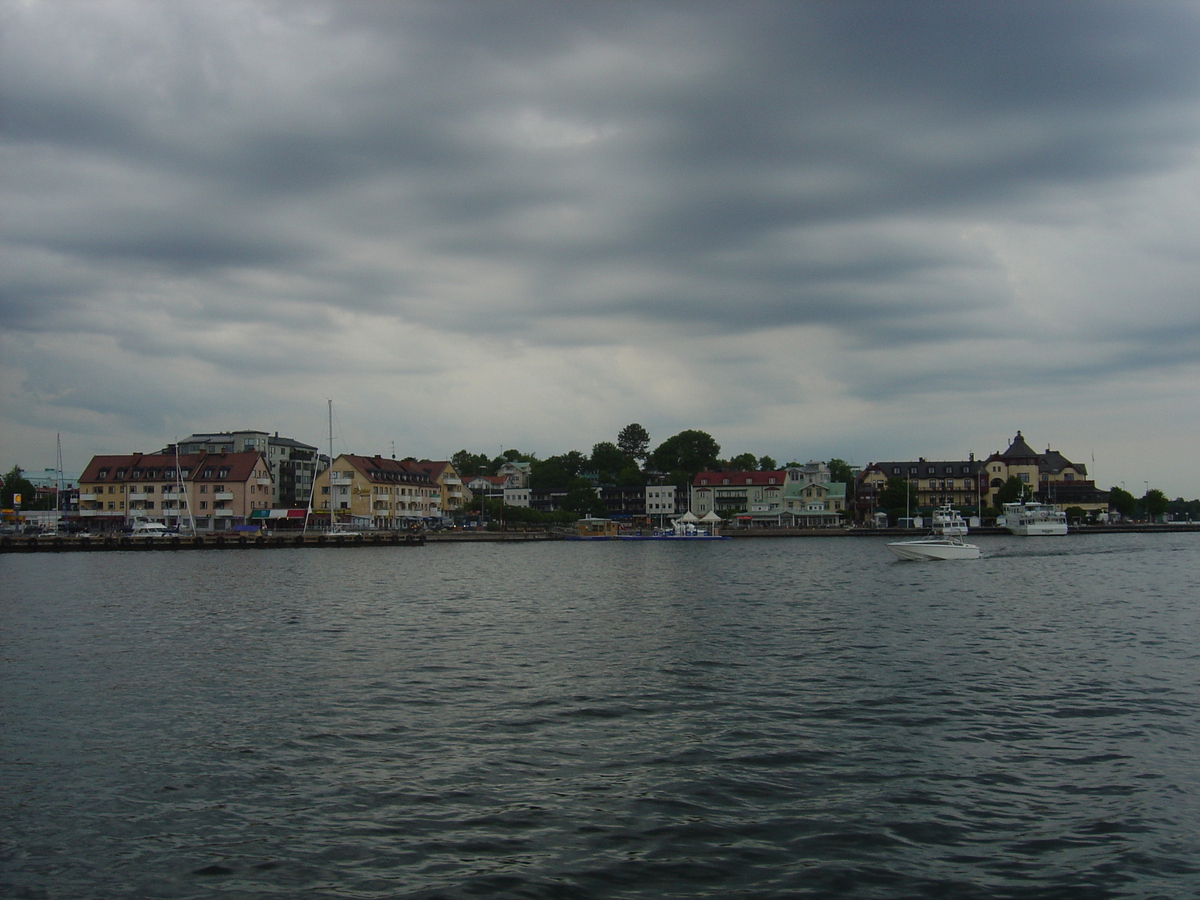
(535, 170)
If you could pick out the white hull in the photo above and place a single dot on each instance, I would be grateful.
(949, 522)
(933, 548)
(1034, 520)
(1038, 529)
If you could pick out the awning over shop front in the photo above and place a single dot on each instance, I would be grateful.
(277, 514)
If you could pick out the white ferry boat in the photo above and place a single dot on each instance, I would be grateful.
(949, 522)
(1031, 519)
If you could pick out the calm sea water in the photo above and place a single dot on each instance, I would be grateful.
(788, 718)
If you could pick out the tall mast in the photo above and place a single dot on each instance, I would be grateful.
(58, 473)
(332, 515)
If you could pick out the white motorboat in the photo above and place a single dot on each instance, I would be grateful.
(935, 547)
(1031, 519)
(948, 521)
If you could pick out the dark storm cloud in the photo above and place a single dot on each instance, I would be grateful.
(238, 186)
(731, 124)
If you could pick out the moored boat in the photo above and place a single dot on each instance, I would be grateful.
(1032, 519)
(949, 521)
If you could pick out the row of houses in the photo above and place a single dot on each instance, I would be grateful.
(231, 480)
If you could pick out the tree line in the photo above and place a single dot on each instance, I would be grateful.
(628, 461)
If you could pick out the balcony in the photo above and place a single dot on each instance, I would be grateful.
(137, 495)
(87, 497)
(263, 481)
(342, 479)
(223, 495)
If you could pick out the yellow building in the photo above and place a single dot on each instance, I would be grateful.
(376, 491)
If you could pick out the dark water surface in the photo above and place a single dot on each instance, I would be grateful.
(788, 718)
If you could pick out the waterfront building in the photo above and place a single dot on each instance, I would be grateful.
(970, 482)
(954, 482)
(452, 496)
(751, 496)
(812, 502)
(623, 502)
(218, 491)
(662, 502)
(1052, 478)
(293, 464)
(377, 492)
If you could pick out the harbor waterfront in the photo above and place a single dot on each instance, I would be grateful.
(747, 718)
(321, 540)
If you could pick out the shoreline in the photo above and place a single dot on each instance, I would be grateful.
(92, 544)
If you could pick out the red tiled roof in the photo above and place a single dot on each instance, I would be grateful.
(381, 469)
(734, 479)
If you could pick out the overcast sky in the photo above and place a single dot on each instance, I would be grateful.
(866, 230)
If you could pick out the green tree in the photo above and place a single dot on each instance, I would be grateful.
(631, 476)
(1121, 501)
(582, 500)
(685, 454)
(469, 464)
(556, 471)
(743, 462)
(767, 464)
(840, 471)
(15, 482)
(900, 494)
(1010, 492)
(634, 440)
(609, 460)
(1155, 503)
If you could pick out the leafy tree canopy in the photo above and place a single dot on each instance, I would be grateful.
(634, 440)
(743, 462)
(631, 476)
(1122, 501)
(900, 493)
(556, 471)
(582, 500)
(685, 454)
(1010, 492)
(608, 460)
(469, 464)
(15, 482)
(767, 464)
(840, 471)
(1155, 503)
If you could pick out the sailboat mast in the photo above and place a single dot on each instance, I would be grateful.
(59, 485)
(332, 514)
